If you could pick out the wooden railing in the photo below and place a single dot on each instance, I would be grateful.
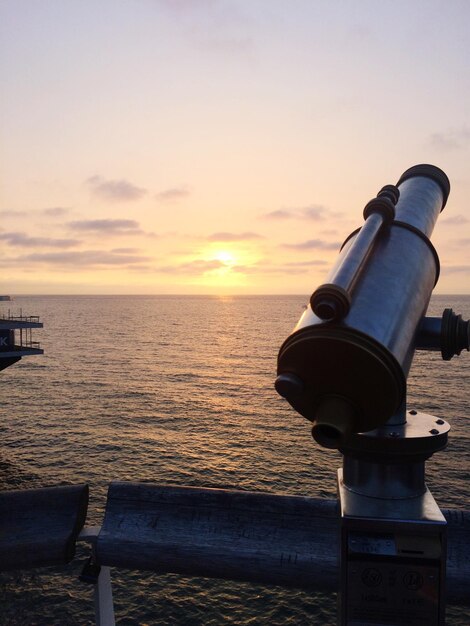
(290, 541)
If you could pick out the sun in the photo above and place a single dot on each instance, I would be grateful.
(225, 257)
(226, 273)
(226, 268)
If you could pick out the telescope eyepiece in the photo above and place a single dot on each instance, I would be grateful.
(330, 302)
(334, 420)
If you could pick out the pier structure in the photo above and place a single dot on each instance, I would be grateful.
(16, 337)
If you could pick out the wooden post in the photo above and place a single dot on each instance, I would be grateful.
(39, 527)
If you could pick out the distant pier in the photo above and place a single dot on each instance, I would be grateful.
(16, 337)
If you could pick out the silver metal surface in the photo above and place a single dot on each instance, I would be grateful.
(392, 296)
(421, 508)
(428, 336)
(396, 480)
(393, 560)
(421, 434)
(388, 462)
(365, 358)
(346, 274)
(420, 203)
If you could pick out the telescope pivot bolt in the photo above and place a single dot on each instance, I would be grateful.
(289, 385)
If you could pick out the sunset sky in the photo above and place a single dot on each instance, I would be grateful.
(220, 146)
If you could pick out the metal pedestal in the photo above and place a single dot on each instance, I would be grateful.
(392, 560)
(393, 534)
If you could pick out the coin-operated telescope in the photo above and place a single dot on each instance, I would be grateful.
(344, 368)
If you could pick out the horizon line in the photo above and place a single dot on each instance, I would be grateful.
(181, 295)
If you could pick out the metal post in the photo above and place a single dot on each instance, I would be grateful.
(100, 578)
(103, 599)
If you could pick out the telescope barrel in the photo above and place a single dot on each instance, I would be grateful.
(332, 300)
(347, 373)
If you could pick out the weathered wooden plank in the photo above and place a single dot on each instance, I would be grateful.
(283, 540)
(256, 537)
(39, 527)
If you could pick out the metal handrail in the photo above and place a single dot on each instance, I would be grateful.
(20, 318)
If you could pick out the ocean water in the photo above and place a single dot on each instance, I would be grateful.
(180, 390)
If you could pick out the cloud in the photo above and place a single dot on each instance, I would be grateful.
(115, 190)
(186, 5)
(21, 239)
(456, 220)
(213, 26)
(125, 250)
(10, 213)
(90, 258)
(222, 236)
(225, 44)
(108, 226)
(280, 214)
(306, 263)
(55, 211)
(456, 139)
(280, 269)
(456, 269)
(52, 212)
(174, 193)
(313, 244)
(312, 212)
(192, 267)
(462, 242)
(260, 269)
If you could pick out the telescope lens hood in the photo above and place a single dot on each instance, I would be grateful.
(428, 171)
